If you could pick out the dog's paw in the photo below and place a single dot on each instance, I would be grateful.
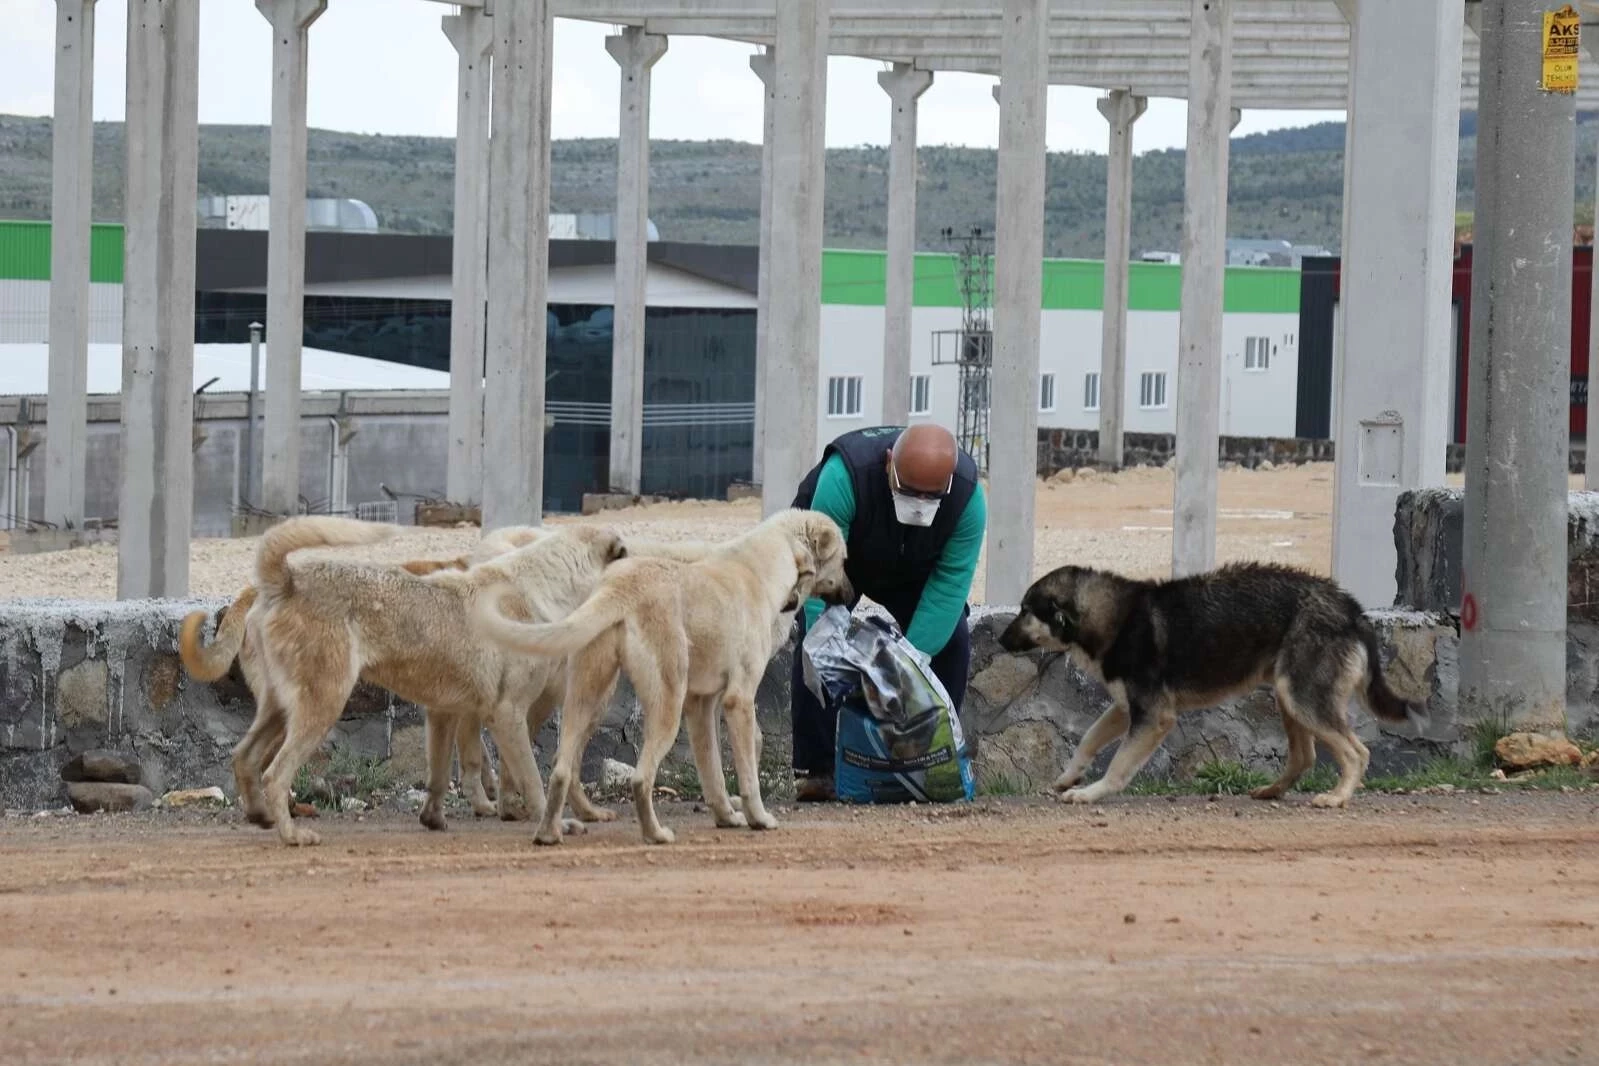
(1328, 800)
(1066, 781)
(302, 838)
(1266, 792)
(603, 814)
(432, 818)
(1086, 794)
(764, 820)
(549, 839)
(515, 812)
(573, 827)
(731, 820)
(661, 836)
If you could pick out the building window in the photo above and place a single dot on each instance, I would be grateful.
(1257, 353)
(921, 393)
(844, 397)
(1046, 392)
(1091, 391)
(1152, 389)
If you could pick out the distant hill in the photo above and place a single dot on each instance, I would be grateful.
(1285, 184)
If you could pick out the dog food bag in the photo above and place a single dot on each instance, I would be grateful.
(899, 738)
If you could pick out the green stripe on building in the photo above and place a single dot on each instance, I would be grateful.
(858, 278)
(25, 251)
(852, 278)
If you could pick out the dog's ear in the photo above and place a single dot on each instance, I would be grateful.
(617, 550)
(822, 535)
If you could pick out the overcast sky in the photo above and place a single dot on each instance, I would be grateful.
(384, 66)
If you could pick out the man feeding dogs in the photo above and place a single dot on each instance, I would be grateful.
(913, 515)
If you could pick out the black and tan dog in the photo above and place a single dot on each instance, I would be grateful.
(1164, 647)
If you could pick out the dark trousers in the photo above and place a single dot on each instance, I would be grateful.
(815, 729)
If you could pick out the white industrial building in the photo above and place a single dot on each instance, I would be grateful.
(1260, 343)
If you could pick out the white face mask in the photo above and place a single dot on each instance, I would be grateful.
(912, 511)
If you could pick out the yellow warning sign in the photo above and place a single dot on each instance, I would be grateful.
(1562, 41)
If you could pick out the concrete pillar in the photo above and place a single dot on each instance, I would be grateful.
(1590, 444)
(519, 260)
(280, 466)
(905, 86)
(1204, 253)
(635, 52)
(1121, 109)
(794, 307)
(1513, 577)
(472, 34)
(764, 67)
(71, 198)
(1399, 214)
(156, 502)
(1018, 297)
(1590, 475)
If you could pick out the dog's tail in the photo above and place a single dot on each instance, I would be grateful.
(1383, 701)
(207, 662)
(577, 630)
(272, 574)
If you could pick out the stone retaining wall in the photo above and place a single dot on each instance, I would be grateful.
(82, 675)
(1060, 449)
(1428, 532)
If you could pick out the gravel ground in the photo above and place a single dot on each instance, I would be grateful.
(1120, 521)
(1144, 932)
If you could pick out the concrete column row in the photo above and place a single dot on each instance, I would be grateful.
(1121, 109)
(156, 502)
(71, 195)
(472, 35)
(794, 305)
(1204, 257)
(519, 222)
(1018, 296)
(636, 52)
(280, 473)
(1395, 276)
(904, 85)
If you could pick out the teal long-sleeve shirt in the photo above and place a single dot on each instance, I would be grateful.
(946, 591)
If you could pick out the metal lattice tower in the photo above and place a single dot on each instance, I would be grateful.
(971, 348)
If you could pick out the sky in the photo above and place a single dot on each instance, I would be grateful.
(384, 66)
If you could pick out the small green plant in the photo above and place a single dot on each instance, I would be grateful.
(1556, 778)
(684, 779)
(1155, 786)
(1318, 778)
(1445, 770)
(341, 774)
(1485, 734)
(1227, 779)
(999, 783)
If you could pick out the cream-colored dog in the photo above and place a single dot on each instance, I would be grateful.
(694, 638)
(320, 624)
(209, 662)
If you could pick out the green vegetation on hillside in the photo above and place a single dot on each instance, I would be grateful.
(1285, 184)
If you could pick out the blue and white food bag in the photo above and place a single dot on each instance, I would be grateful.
(899, 738)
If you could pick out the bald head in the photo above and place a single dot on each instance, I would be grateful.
(924, 458)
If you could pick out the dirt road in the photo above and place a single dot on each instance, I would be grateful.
(1410, 929)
